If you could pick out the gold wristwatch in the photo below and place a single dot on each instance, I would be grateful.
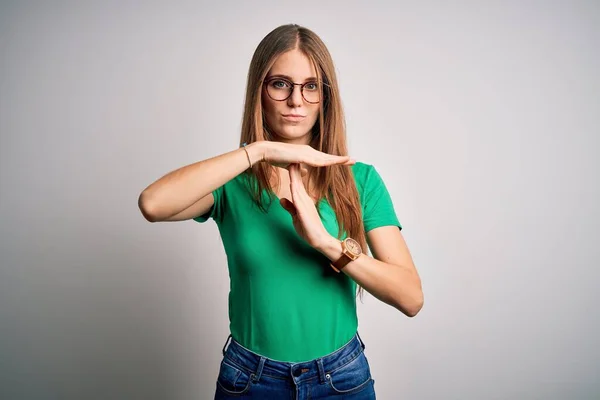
(351, 250)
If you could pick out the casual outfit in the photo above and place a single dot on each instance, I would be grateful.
(286, 304)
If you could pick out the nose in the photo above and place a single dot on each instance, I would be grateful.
(295, 99)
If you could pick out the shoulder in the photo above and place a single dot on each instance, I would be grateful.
(363, 173)
(368, 179)
(361, 170)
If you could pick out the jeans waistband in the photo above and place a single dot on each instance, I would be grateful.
(257, 365)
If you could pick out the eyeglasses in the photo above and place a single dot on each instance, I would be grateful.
(280, 89)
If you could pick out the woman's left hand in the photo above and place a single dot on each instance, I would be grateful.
(302, 208)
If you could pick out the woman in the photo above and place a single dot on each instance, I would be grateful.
(295, 263)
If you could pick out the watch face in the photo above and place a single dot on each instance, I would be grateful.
(353, 246)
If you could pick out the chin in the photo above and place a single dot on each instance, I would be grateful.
(292, 132)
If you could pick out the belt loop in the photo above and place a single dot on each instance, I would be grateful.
(259, 369)
(228, 337)
(321, 369)
(361, 342)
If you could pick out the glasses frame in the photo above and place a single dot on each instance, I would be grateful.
(293, 84)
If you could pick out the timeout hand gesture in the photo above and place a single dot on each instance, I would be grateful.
(303, 210)
(283, 154)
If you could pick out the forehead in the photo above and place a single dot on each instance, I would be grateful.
(294, 64)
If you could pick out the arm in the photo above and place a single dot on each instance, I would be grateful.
(391, 276)
(187, 192)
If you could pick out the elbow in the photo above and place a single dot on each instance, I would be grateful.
(411, 307)
(146, 208)
(414, 308)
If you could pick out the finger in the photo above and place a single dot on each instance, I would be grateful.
(295, 172)
(329, 159)
(343, 160)
(299, 193)
(293, 169)
(296, 183)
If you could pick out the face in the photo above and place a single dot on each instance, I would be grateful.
(291, 120)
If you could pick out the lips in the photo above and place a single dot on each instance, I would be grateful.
(293, 117)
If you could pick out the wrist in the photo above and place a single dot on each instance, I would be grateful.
(256, 152)
(330, 247)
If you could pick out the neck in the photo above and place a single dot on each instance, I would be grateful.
(305, 139)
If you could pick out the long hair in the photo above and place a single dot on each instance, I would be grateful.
(335, 183)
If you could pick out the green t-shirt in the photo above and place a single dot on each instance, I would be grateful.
(285, 301)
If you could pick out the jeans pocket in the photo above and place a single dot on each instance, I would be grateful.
(351, 377)
(233, 379)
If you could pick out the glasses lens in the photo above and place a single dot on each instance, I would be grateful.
(280, 89)
(310, 91)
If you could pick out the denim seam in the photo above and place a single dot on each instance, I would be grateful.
(346, 363)
(353, 390)
(236, 365)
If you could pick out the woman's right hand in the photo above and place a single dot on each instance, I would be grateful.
(282, 155)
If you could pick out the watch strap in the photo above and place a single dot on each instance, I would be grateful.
(340, 263)
(345, 258)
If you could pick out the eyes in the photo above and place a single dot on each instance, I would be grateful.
(280, 89)
(284, 84)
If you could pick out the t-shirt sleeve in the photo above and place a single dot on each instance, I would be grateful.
(378, 209)
(216, 211)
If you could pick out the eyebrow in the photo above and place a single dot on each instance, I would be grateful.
(289, 78)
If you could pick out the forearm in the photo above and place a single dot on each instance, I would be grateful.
(182, 187)
(392, 284)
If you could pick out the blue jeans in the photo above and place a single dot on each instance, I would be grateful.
(343, 374)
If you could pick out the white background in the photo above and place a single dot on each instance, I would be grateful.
(482, 118)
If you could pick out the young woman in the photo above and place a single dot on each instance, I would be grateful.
(295, 214)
